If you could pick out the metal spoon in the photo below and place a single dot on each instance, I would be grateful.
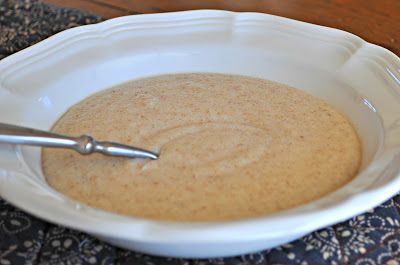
(83, 144)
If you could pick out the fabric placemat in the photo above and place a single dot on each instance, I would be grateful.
(372, 238)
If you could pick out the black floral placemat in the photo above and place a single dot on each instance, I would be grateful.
(372, 238)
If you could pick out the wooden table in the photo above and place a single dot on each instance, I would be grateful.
(377, 21)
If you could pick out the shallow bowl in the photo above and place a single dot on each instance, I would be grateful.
(360, 79)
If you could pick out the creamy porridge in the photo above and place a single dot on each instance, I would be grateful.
(230, 147)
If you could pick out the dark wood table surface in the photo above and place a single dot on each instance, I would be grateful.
(376, 21)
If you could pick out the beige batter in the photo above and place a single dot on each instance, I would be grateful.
(230, 147)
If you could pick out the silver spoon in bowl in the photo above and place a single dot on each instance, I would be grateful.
(83, 144)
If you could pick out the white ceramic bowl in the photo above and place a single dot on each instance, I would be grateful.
(362, 80)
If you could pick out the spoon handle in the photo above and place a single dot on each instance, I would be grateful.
(83, 144)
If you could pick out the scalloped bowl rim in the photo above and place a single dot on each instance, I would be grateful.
(177, 232)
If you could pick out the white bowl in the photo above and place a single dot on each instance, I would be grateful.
(362, 80)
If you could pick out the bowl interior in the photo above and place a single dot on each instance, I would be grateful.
(50, 97)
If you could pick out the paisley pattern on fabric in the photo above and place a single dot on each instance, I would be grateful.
(26, 22)
(372, 238)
